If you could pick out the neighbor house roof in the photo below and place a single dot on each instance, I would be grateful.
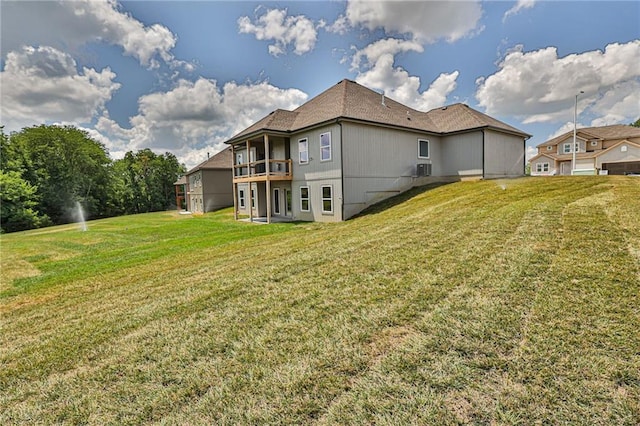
(350, 100)
(219, 161)
(617, 131)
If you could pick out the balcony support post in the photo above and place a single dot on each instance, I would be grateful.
(267, 166)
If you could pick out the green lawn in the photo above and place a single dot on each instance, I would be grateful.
(459, 304)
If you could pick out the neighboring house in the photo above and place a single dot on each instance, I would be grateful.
(607, 150)
(209, 184)
(350, 147)
(181, 192)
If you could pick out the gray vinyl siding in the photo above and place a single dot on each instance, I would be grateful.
(317, 173)
(462, 155)
(381, 162)
(217, 189)
(503, 155)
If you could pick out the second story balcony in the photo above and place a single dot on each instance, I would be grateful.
(262, 170)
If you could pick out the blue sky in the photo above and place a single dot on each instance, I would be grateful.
(185, 76)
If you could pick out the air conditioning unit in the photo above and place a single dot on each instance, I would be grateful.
(423, 169)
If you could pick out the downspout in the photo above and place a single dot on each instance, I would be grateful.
(483, 174)
(341, 170)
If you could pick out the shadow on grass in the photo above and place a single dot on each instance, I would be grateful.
(398, 199)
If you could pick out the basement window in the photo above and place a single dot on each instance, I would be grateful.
(241, 198)
(304, 198)
(327, 199)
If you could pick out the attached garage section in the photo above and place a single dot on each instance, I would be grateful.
(623, 168)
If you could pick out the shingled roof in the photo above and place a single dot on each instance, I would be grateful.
(219, 161)
(616, 131)
(350, 100)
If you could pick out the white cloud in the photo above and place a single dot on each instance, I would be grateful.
(194, 117)
(620, 104)
(539, 86)
(69, 24)
(531, 152)
(427, 21)
(43, 85)
(389, 46)
(283, 30)
(402, 87)
(520, 5)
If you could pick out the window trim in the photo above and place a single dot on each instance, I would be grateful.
(328, 146)
(564, 148)
(307, 199)
(542, 167)
(241, 199)
(306, 144)
(323, 198)
(428, 149)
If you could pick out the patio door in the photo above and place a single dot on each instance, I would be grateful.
(281, 204)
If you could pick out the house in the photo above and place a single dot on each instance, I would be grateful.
(607, 150)
(181, 191)
(209, 184)
(350, 147)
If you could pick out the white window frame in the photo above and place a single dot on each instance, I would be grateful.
(330, 198)
(241, 199)
(565, 146)
(326, 147)
(428, 148)
(549, 148)
(594, 143)
(542, 167)
(307, 199)
(303, 142)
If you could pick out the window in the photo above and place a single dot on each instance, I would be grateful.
(304, 198)
(566, 148)
(423, 148)
(253, 198)
(241, 198)
(542, 167)
(594, 143)
(303, 151)
(325, 147)
(549, 148)
(327, 199)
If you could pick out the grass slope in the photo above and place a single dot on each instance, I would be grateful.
(465, 303)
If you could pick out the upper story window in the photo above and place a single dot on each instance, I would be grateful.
(303, 151)
(566, 148)
(325, 147)
(549, 148)
(423, 148)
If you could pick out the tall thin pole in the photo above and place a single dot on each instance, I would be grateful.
(573, 148)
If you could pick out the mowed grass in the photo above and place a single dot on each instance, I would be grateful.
(459, 304)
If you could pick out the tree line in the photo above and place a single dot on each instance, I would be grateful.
(47, 171)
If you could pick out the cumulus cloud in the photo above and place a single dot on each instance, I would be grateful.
(389, 46)
(43, 85)
(426, 21)
(69, 24)
(539, 86)
(284, 30)
(194, 117)
(520, 5)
